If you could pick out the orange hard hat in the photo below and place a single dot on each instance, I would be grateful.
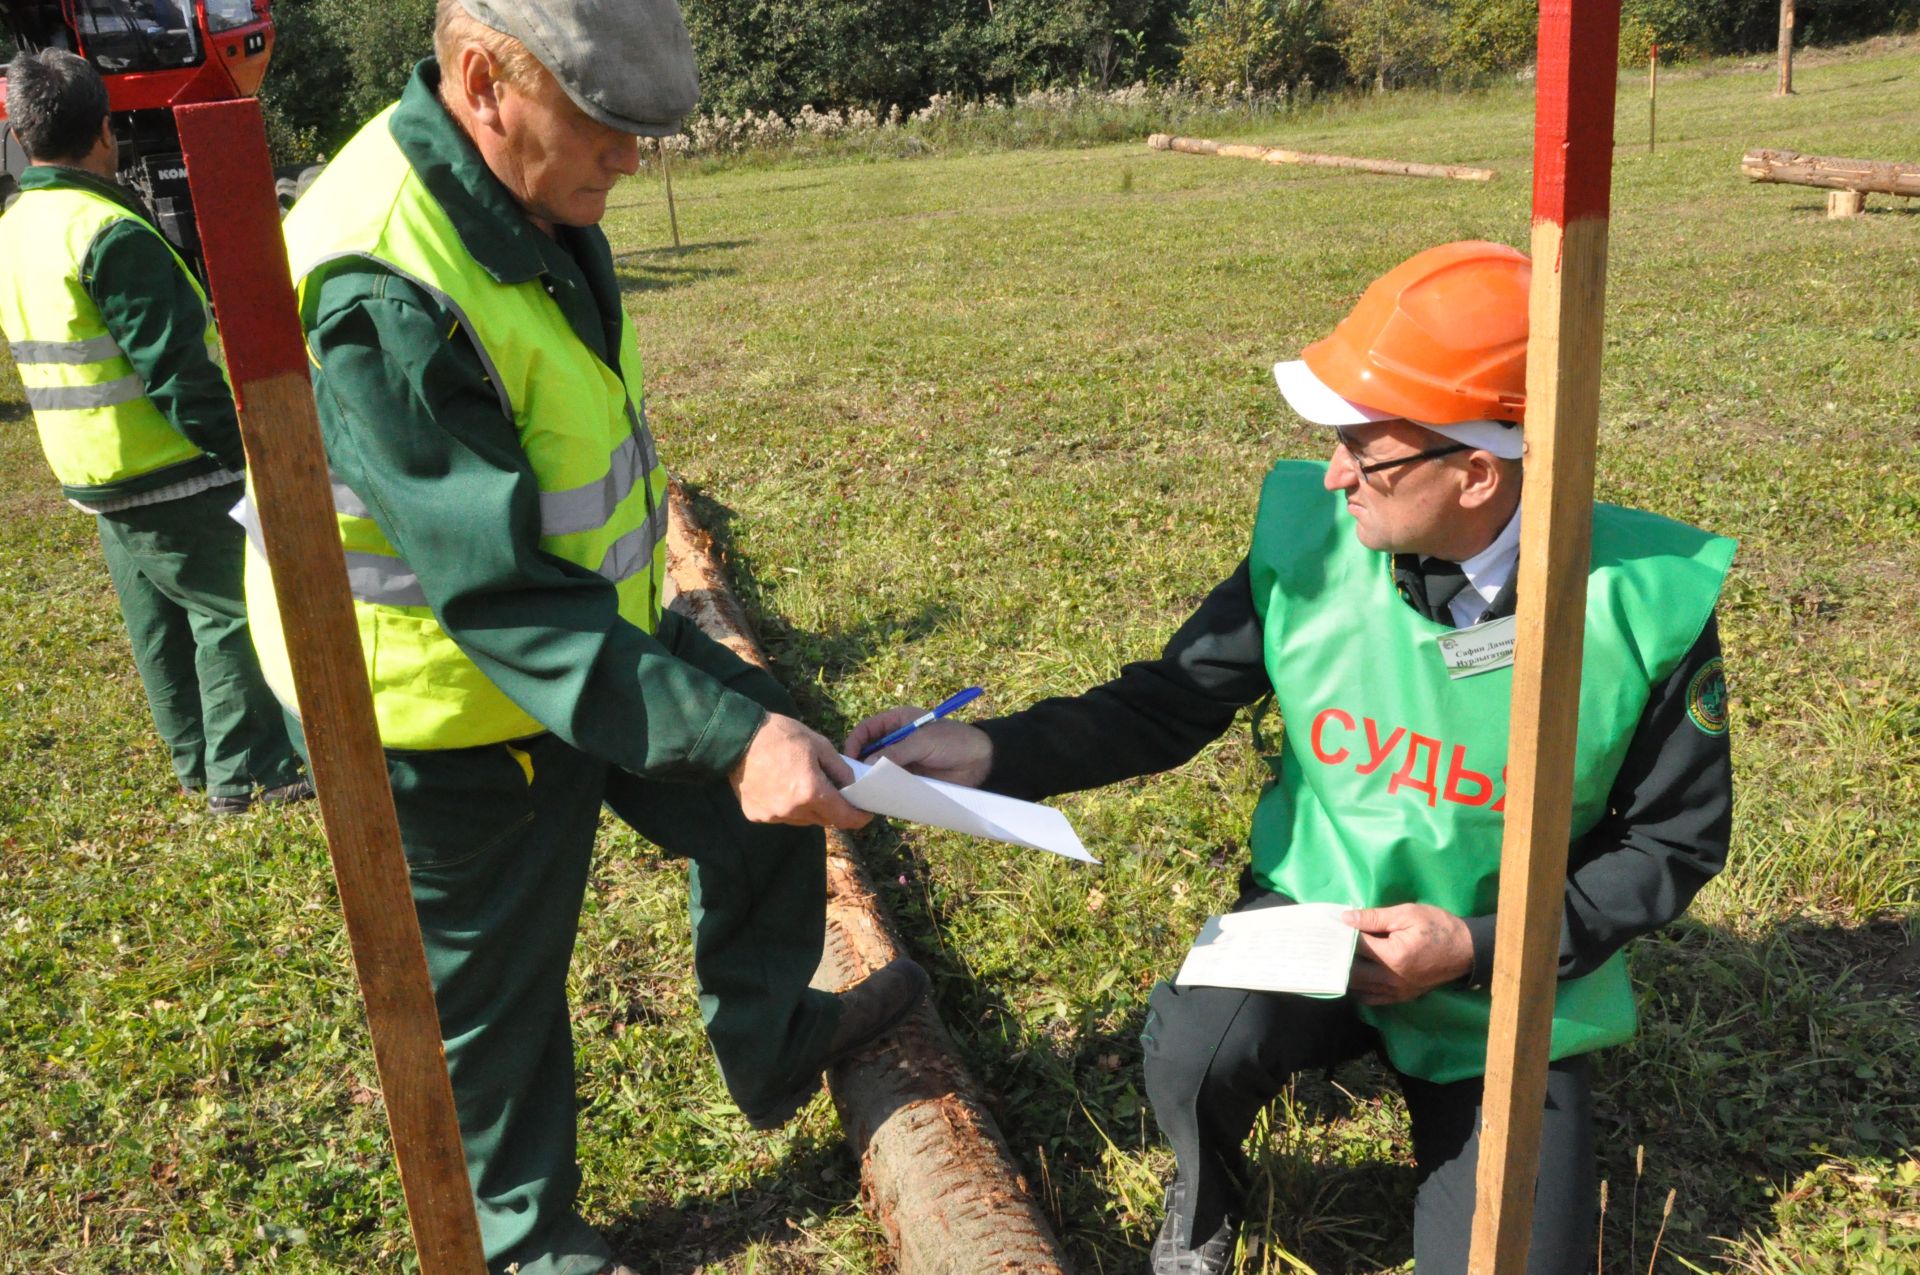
(1440, 339)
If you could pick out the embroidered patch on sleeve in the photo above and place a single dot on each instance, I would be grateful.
(1707, 698)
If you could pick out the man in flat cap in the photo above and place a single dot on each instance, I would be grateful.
(504, 514)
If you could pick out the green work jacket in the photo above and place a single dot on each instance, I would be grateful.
(500, 502)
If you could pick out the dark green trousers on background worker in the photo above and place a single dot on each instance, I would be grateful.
(176, 566)
(498, 842)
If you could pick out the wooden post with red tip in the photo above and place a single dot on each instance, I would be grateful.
(231, 182)
(1572, 175)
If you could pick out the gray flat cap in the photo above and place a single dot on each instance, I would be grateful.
(627, 63)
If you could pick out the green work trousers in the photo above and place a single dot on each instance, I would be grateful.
(176, 566)
(498, 840)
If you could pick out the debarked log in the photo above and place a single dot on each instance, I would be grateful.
(934, 1170)
(1866, 176)
(1280, 155)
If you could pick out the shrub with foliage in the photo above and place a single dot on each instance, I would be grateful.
(1486, 36)
(339, 61)
(780, 55)
(335, 64)
(1389, 42)
(1258, 45)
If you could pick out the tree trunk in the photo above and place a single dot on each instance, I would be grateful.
(934, 1169)
(1864, 175)
(1276, 155)
(1786, 49)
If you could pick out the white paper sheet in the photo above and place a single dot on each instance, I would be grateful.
(1304, 948)
(886, 789)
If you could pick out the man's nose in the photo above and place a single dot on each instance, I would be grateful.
(1342, 473)
(625, 156)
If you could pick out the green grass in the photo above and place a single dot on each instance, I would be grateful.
(1000, 418)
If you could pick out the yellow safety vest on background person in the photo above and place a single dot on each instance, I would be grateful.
(96, 423)
(603, 501)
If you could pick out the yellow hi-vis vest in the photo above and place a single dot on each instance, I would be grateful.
(96, 423)
(603, 502)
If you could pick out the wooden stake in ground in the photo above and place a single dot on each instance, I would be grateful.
(1653, 89)
(1785, 86)
(933, 1168)
(233, 196)
(1842, 204)
(1573, 161)
(1278, 155)
(666, 171)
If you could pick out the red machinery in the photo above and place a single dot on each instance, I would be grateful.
(155, 55)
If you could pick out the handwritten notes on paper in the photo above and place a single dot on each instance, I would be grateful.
(1304, 948)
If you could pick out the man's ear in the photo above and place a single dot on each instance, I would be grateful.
(1485, 478)
(478, 84)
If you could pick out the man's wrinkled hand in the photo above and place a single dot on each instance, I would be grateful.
(946, 750)
(790, 774)
(1406, 951)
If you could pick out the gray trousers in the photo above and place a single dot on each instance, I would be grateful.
(1215, 1057)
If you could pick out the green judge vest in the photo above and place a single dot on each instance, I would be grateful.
(1389, 787)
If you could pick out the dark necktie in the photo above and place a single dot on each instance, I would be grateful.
(1444, 580)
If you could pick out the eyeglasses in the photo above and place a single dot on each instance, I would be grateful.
(1432, 453)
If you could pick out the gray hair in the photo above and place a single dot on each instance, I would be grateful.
(455, 29)
(55, 103)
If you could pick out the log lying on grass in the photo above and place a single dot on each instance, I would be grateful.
(1278, 155)
(933, 1167)
(1864, 176)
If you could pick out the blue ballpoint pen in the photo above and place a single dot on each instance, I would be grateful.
(940, 710)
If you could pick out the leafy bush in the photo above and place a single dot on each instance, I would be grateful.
(335, 64)
(1386, 42)
(1487, 36)
(1258, 45)
(780, 55)
(1675, 25)
(339, 61)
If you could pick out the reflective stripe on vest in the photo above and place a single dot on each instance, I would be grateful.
(1389, 784)
(96, 350)
(602, 494)
(387, 580)
(71, 397)
(96, 423)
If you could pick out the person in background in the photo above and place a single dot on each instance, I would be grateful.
(116, 346)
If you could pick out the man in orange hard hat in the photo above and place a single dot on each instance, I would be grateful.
(1375, 606)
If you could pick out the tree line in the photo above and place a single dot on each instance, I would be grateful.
(338, 61)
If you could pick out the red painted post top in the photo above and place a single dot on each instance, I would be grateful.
(1573, 115)
(231, 180)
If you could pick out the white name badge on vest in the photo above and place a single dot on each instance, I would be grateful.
(1482, 648)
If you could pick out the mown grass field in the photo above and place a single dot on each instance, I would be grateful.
(1001, 418)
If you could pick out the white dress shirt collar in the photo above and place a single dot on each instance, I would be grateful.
(1487, 573)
